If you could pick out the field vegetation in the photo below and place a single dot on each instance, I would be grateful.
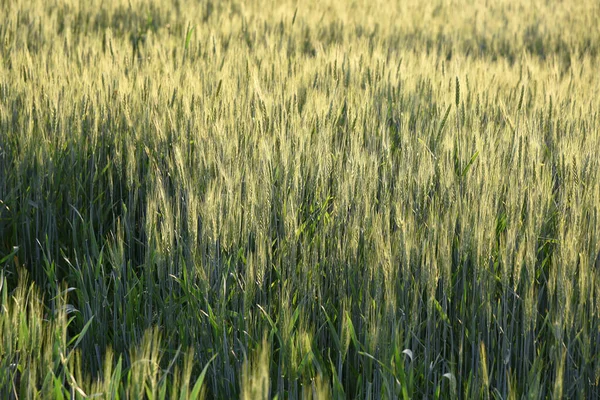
(315, 199)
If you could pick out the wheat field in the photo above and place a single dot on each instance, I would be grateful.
(299, 200)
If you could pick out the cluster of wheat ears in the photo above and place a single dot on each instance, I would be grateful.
(314, 199)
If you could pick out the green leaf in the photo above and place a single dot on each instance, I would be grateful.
(274, 329)
(338, 389)
(385, 367)
(188, 36)
(115, 380)
(77, 338)
(58, 389)
(471, 161)
(13, 253)
(198, 385)
(352, 331)
(334, 333)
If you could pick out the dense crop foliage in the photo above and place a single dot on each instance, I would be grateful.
(328, 199)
